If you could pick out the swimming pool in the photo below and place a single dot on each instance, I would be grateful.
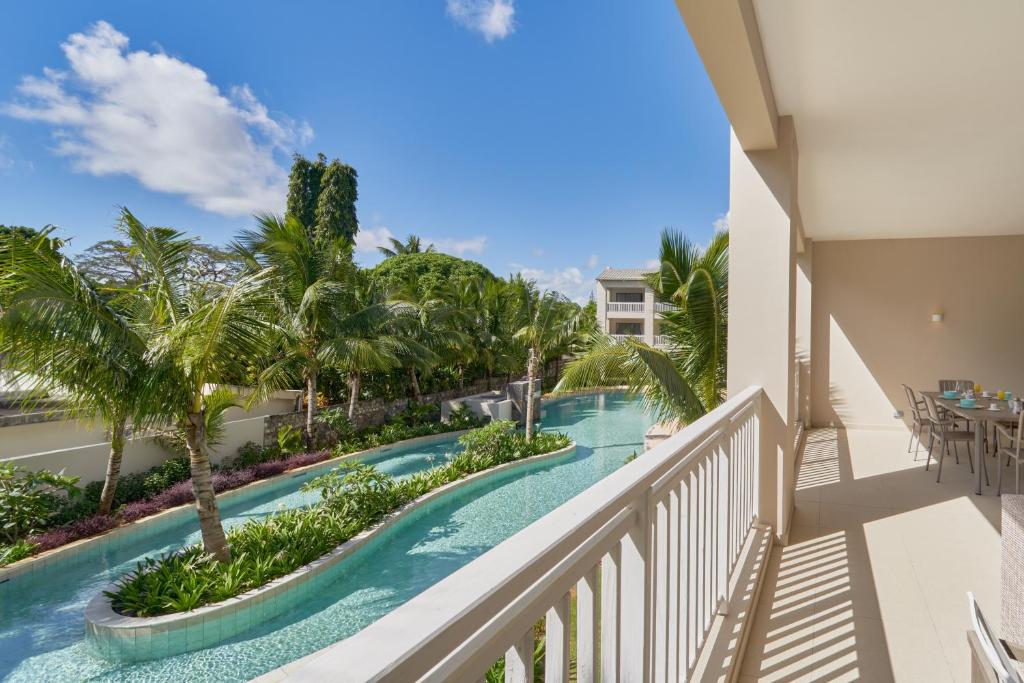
(41, 628)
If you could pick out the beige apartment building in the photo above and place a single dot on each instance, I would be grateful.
(627, 306)
(877, 239)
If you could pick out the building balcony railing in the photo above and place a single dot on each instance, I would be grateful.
(624, 337)
(651, 551)
(662, 341)
(625, 306)
(662, 306)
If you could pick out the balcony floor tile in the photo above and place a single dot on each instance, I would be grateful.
(872, 583)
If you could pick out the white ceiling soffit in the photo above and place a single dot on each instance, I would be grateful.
(909, 113)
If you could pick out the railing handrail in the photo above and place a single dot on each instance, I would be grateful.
(630, 306)
(442, 623)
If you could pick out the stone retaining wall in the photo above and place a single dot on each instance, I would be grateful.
(372, 412)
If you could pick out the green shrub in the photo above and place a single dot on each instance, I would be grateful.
(336, 419)
(251, 453)
(463, 417)
(16, 551)
(354, 497)
(416, 414)
(289, 440)
(30, 500)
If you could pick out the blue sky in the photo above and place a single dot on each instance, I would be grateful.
(550, 137)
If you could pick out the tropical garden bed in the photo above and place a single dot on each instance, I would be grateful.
(355, 497)
(50, 511)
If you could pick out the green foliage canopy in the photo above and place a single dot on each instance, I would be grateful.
(431, 270)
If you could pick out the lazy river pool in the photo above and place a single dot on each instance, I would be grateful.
(41, 613)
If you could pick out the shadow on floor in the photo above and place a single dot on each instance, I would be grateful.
(871, 584)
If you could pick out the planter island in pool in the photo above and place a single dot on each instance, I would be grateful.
(122, 638)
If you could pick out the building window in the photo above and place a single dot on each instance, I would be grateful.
(628, 297)
(634, 329)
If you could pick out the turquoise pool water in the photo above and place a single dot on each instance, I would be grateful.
(41, 615)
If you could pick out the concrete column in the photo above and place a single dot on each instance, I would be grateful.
(804, 291)
(601, 299)
(763, 227)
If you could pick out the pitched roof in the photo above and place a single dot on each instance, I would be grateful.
(626, 273)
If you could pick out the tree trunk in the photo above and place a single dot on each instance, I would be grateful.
(310, 410)
(462, 378)
(117, 430)
(353, 397)
(487, 374)
(215, 542)
(530, 376)
(415, 386)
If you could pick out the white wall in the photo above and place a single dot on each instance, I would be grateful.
(89, 462)
(80, 449)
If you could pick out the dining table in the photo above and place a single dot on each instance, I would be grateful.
(988, 409)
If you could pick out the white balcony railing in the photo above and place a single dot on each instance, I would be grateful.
(650, 551)
(625, 306)
(661, 340)
(662, 306)
(624, 337)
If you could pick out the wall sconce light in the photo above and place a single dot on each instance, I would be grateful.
(937, 317)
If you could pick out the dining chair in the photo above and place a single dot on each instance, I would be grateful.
(918, 413)
(945, 430)
(961, 386)
(1012, 451)
(956, 384)
(990, 653)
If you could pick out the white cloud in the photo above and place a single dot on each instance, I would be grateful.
(368, 239)
(448, 245)
(592, 262)
(721, 223)
(493, 19)
(652, 263)
(569, 281)
(161, 121)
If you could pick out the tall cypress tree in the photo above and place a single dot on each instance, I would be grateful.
(336, 206)
(304, 187)
(323, 196)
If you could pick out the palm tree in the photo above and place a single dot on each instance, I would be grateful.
(199, 334)
(412, 245)
(546, 327)
(308, 283)
(368, 336)
(423, 318)
(688, 378)
(61, 334)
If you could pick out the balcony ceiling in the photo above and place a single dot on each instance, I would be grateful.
(909, 115)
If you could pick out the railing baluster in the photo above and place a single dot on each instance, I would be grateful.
(693, 569)
(723, 527)
(587, 611)
(519, 660)
(556, 650)
(672, 592)
(661, 558)
(610, 616)
(635, 591)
